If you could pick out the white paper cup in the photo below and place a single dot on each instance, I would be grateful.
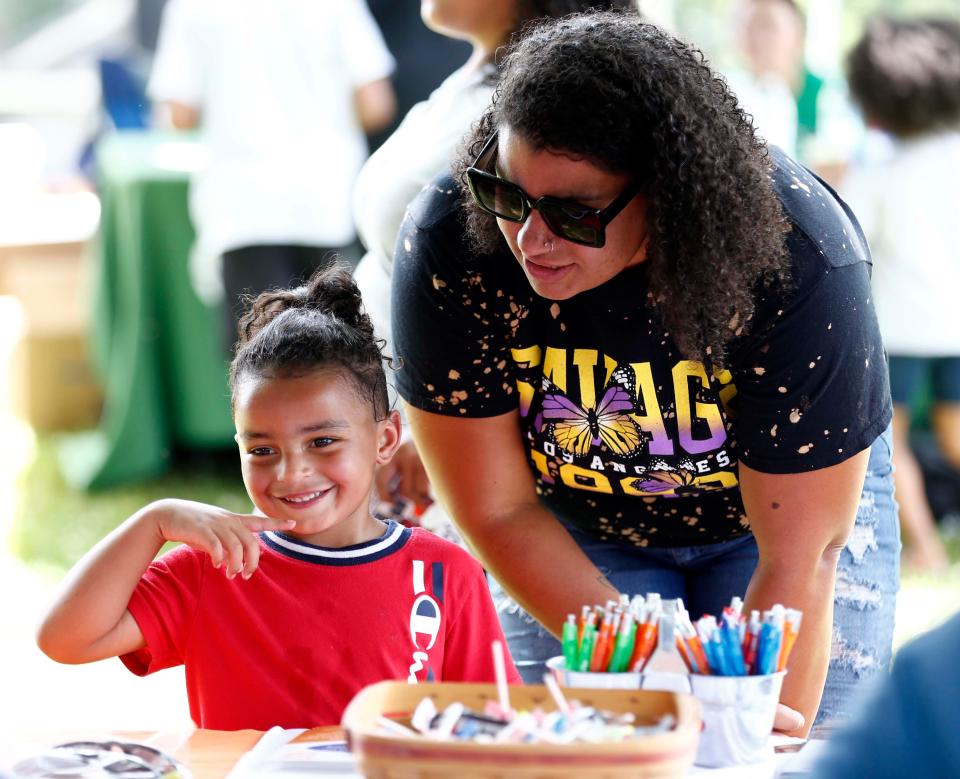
(738, 713)
(599, 680)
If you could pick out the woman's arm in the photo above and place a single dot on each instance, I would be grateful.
(89, 619)
(376, 105)
(480, 473)
(801, 523)
(182, 116)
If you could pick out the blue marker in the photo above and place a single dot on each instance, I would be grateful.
(724, 663)
(768, 646)
(730, 635)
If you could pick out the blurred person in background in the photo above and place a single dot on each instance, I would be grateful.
(905, 76)
(907, 724)
(794, 108)
(422, 145)
(424, 57)
(283, 92)
(770, 36)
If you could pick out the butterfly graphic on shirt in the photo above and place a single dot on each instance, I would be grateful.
(577, 429)
(663, 478)
(627, 379)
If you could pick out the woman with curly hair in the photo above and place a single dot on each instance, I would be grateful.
(424, 142)
(905, 74)
(649, 361)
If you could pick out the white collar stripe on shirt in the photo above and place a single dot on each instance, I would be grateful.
(391, 537)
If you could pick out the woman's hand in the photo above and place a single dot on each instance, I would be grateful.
(404, 476)
(787, 720)
(228, 538)
(801, 522)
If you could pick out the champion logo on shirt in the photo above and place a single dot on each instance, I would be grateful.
(425, 617)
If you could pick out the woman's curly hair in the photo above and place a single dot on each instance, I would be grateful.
(317, 326)
(905, 74)
(630, 98)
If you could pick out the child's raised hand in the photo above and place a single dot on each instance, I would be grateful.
(228, 538)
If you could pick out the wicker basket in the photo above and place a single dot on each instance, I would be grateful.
(382, 756)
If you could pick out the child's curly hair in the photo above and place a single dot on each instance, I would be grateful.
(905, 74)
(320, 325)
(630, 98)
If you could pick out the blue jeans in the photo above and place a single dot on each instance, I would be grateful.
(707, 576)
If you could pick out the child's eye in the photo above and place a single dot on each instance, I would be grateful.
(321, 442)
(261, 451)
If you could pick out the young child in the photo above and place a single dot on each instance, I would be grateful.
(905, 75)
(281, 618)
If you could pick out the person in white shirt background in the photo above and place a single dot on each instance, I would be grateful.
(905, 75)
(420, 147)
(283, 93)
(770, 35)
(801, 107)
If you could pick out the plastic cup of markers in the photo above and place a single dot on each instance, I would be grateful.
(597, 680)
(738, 713)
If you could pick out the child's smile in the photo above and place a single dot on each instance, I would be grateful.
(308, 448)
(305, 499)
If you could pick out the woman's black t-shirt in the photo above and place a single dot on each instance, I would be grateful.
(625, 437)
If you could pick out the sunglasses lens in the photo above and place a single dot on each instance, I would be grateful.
(569, 220)
(573, 224)
(499, 198)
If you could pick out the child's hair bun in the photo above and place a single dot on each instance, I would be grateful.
(291, 332)
(330, 290)
(335, 292)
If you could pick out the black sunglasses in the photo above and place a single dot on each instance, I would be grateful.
(570, 220)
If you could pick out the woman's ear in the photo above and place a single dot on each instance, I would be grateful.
(388, 437)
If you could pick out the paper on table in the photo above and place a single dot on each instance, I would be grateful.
(801, 762)
(275, 755)
(768, 769)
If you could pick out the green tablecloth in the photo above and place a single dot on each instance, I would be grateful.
(156, 345)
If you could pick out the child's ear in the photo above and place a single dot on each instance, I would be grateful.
(389, 437)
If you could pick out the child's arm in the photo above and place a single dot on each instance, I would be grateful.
(89, 619)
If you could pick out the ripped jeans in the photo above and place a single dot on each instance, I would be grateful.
(706, 577)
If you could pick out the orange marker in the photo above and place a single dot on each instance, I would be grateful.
(791, 627)
(646, 641)
(697, 649)
(684, 653)
(603, 643)
(694, 649)
(688, 632)
(586, 615)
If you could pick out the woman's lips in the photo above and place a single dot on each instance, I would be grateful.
(546, 272)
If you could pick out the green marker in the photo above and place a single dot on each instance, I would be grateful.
(586, 647)
(623, 647)
(568, 641)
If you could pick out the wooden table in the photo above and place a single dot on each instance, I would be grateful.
(209, 754)
(212, 754)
